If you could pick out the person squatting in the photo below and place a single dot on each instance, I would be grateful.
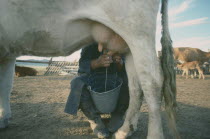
(94, 61)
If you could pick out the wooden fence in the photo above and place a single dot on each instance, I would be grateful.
(62, 68)
(57, 67)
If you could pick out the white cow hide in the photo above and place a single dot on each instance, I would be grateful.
(60, 27)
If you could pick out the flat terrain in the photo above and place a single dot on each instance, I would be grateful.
(38, 102)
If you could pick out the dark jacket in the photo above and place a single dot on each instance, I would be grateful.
(90, 53)
(77, 84)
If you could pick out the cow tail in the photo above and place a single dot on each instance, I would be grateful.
(167, 63)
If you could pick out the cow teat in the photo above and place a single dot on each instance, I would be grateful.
(108, 39)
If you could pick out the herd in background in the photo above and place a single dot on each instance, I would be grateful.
(191, 61)
(191, 67)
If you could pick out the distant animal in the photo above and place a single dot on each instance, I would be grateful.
(206, 67)
(25, 71)
(187, 54)
(60, 27)
(194, 65)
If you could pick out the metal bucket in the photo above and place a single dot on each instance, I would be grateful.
(105, 100)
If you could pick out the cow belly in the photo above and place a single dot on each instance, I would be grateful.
(47, 42)
(44, 29)
(41, 43)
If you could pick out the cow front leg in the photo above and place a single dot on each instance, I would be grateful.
(136, 97)
(6, 81)
(184, 72)
(187, 74)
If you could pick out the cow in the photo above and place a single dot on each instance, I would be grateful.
(58, 28)
(187, 54)
(194, 65)
(21, 71)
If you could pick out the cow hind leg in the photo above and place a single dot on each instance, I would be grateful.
(150, 76)
(6, 80)
(136, 97)
(153, 99)
(201, 75)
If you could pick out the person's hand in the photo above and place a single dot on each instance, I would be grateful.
(104, 60)
(117, 58)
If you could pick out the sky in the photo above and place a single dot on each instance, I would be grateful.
(189, 25)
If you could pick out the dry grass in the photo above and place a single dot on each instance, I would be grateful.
(38, 102)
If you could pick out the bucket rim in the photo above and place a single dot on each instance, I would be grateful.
(105, 92)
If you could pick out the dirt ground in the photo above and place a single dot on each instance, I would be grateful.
(37, 104)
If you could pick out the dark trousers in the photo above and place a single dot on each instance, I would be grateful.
(80, 98)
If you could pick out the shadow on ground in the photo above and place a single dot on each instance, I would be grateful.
(193, 123)
(44, 120)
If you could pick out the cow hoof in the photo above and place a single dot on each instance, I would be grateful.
(103, 134)
(4, 123)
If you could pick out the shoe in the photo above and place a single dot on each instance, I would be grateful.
(116, 121)
(98, 128)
